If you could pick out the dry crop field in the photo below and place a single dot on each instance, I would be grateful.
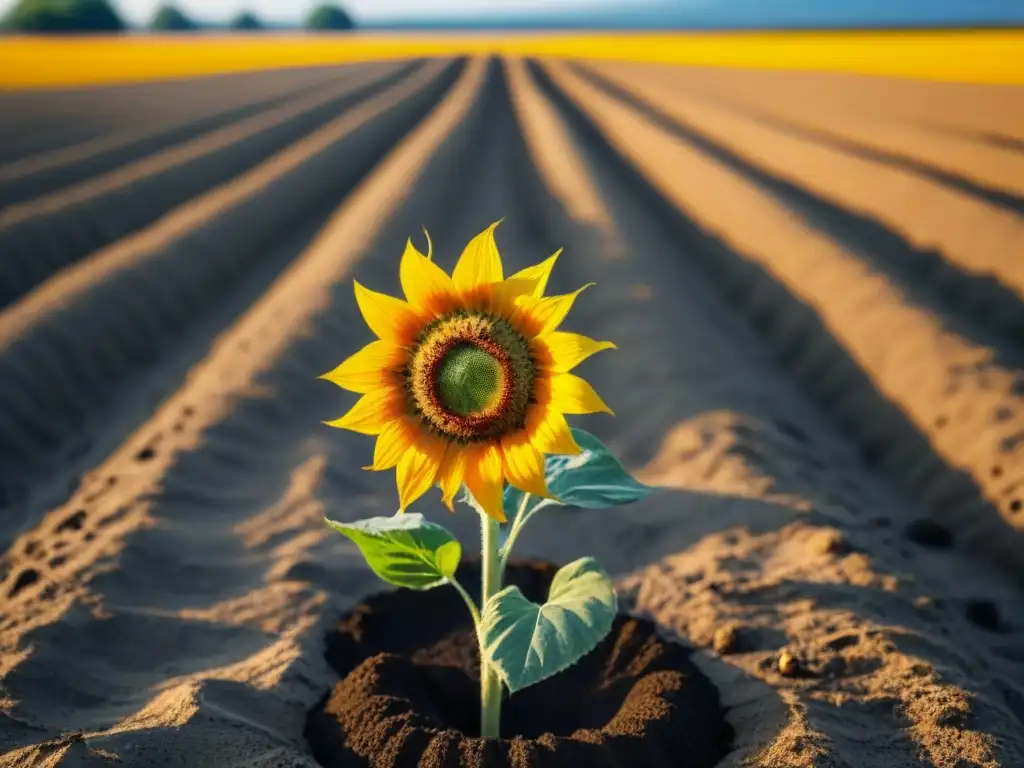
(816, 284)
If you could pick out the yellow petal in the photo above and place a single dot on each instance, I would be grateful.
(571, 394)
(549, 431)
(392, 443)
(371, 413)
(452, 473)
(524, 465)
(547, 314)
(485, 479)
(538, 274)
(367, 369)
(422, 280)
(479, 263)
(388, 317)
(568, 350)
(430, 244)
(417, 469)
(504, 298)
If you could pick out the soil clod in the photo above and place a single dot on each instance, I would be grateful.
(728, 639)
(790, 665)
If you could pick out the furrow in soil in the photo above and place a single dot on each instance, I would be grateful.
(41, 236)
(928, 401)
(878, 119)
(216, 102)
(88, 354)
(37, 122)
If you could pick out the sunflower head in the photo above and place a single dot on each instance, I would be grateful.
(469, 381)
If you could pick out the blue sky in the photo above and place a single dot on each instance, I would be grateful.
(696, 13)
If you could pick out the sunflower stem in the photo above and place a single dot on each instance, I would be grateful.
(517, 525)
(490, 682)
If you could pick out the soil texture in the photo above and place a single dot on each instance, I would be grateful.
(411, 687)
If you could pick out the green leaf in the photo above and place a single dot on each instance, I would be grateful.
(594, 479)
(528, 643)
(405, 550)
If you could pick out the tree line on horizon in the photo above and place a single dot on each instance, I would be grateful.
(74, 16)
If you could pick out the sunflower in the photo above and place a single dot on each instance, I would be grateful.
(468, 382)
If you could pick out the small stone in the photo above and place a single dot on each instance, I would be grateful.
(789, 665)
(726, 640)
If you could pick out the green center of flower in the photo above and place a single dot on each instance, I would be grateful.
(468, 379)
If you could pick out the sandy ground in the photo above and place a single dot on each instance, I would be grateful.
(816, 284)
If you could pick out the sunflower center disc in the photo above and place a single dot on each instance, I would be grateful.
(468, 379)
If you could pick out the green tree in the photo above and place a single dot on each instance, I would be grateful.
(329, 17)
(63, 16)
(169, 18)
(246, 20)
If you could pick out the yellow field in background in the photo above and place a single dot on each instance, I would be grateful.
(978, 56)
